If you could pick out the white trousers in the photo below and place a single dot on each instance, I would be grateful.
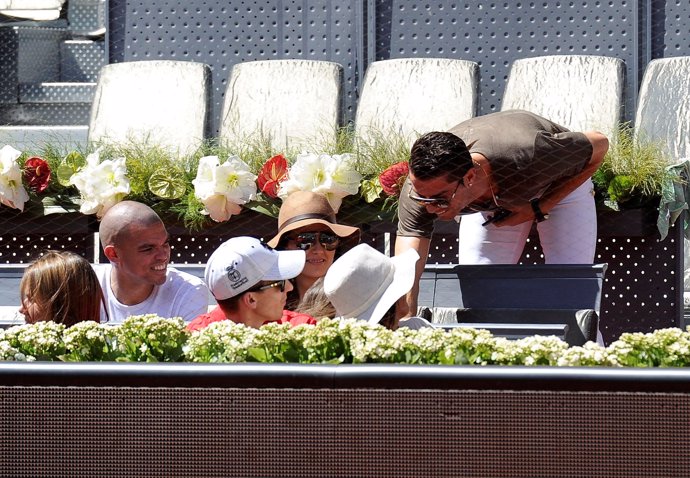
(569, 236)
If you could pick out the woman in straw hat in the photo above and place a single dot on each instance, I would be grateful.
(307, 221)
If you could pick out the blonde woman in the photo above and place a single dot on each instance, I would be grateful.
(62, 287)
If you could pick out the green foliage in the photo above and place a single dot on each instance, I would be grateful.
(89, 342)
(631, 175)
(633, 171)
(39, 341)
(148, 338)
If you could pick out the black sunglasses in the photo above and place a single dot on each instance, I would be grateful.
(439, 203)
(305, 240)
(278, 283)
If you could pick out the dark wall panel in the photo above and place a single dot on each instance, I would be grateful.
(222, 34)
(494, 33)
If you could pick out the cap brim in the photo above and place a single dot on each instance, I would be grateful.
(403, 279)
(339, 230)
(288, 265)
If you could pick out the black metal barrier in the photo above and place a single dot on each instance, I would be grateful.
(245, 420)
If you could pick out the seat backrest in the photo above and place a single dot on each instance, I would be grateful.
(663, 107)
(292, 104)
(154, 102)
(531, 286)
(574, 326)
(580, 92)
(412, 96)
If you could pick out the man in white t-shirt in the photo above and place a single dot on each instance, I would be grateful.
(138, 280)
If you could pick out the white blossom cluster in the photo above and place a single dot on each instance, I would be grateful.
(101, 184)
(662, 348)
(222, 342)
(39, 341)
(223, 188)
(89, 341)
(9, 353)
(530, 351)
(12, 192)
(149, 338)
(334, 176)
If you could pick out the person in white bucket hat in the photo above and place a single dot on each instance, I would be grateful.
(365, 284)
(250, 282)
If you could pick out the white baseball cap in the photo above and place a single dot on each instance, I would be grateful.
(241, 263)
(364, 283)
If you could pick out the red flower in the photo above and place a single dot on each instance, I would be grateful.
(393, 178)
(37, 174)
(271, 174)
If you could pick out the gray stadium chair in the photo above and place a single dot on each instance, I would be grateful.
(292, 104)
(663, 108)
(161, 102)
(663, 115)
(412, 96)
(516, 300)
(580, 92)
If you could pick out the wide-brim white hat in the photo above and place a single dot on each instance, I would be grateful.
(364, 283)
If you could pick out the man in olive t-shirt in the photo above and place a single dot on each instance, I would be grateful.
(502, 172)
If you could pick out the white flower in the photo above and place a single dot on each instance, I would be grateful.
(12, 192)
(224, 187)
(333, 176)
(101, 184)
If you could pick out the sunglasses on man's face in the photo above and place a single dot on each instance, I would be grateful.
(439, 203)
(278, 283)
(305, 240)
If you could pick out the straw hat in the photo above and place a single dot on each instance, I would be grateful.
(303, 208)
(364, 283)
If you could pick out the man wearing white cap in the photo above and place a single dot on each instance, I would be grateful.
(250, 282)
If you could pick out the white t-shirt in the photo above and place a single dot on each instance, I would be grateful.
(182, 295)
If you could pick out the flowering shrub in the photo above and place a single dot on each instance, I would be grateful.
(39, 341)
(89, 342)
(361, 178)
(220, 342)
(149, 338)
(214, 183)
(9, 353)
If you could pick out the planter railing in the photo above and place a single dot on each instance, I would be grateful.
(368, 420)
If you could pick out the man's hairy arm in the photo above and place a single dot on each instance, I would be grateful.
(407, 304)
(561, 188)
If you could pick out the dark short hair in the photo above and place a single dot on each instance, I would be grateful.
(438, 154)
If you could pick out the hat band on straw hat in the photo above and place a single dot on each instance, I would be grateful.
(302, 217)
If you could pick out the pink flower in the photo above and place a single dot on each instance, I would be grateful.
(272, 173)
(37, 174)
(393, 178)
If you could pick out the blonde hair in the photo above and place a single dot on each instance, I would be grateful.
(315, 302)
(64, 286)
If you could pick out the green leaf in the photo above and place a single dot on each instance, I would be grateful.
(371, 190)
(168, 184)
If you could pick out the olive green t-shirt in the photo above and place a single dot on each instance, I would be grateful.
(527, 153)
